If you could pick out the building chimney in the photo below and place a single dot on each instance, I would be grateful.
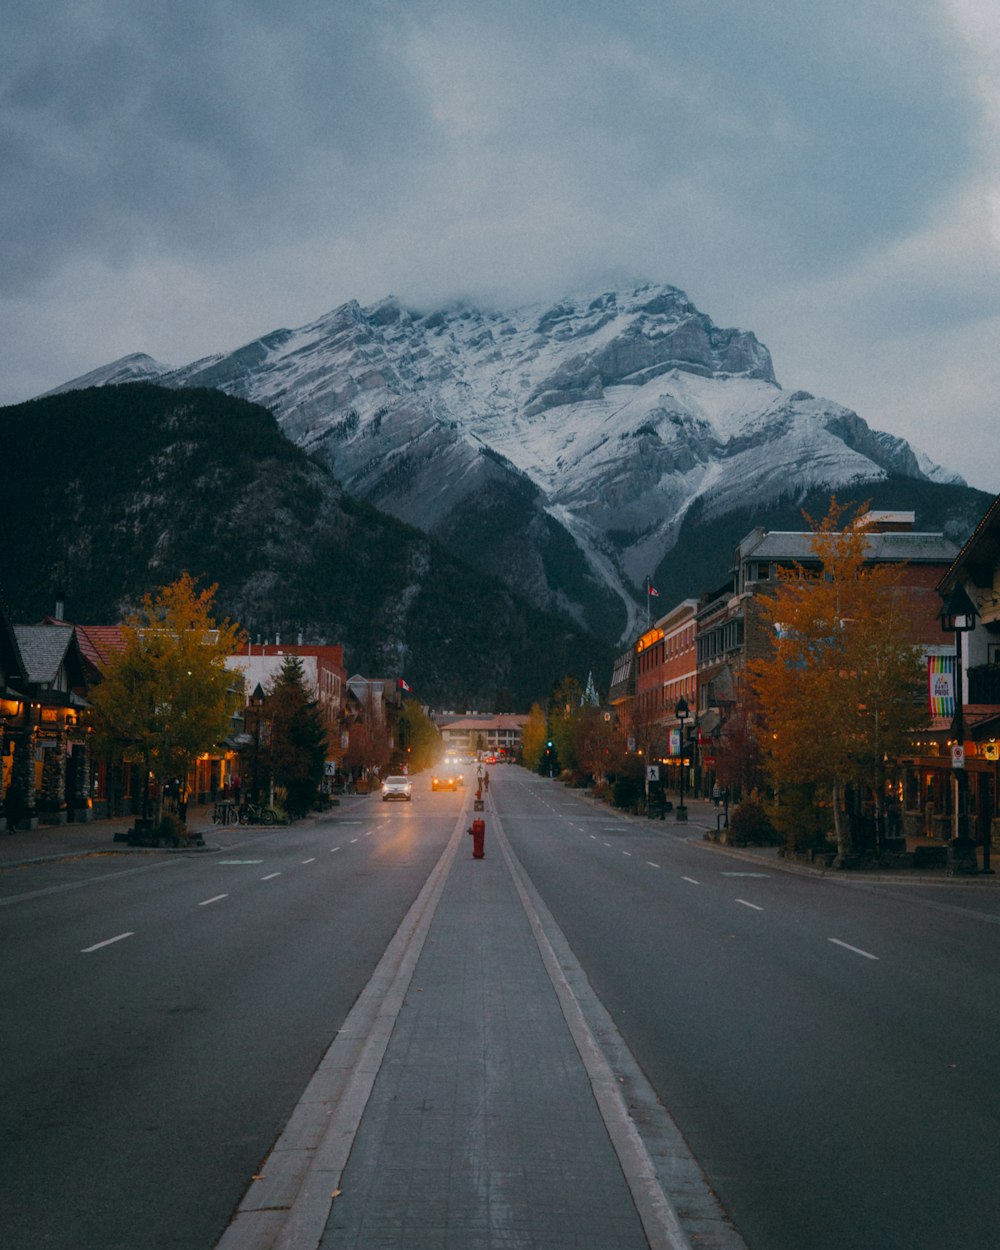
(60, 612)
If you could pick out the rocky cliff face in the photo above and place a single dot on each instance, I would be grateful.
(560, 446)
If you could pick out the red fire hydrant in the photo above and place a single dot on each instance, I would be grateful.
(478, 831)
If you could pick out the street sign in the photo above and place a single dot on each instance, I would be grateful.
(652, 772)
(958, 756)
(991, 750)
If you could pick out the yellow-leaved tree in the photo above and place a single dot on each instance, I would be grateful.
(167, 695)
(840, 691)
(533, 737)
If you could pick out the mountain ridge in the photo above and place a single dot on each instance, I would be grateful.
(562, 443)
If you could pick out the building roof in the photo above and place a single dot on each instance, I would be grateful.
(44, 651)
(505, 720)
(980, 555)
(795, 545)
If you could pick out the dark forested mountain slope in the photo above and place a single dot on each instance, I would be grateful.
(111, 491)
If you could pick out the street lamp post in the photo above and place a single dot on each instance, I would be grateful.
(681, 712)
(958, 616)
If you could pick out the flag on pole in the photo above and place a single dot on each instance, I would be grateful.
(403, 686)
(651, 589)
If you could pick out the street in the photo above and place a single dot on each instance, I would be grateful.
(826, 1047)
(161, 1015)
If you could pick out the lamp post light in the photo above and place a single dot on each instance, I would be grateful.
(958, 616)
(681, 712)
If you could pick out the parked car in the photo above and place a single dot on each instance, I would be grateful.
(397, 788)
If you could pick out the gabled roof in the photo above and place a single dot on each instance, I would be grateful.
(45, 650)
(97, 642)
(980, 555)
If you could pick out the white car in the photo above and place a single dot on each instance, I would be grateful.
(397, 788)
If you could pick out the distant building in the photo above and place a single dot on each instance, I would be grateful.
(498, 735)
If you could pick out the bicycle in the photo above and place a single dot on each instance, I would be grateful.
(252, 814)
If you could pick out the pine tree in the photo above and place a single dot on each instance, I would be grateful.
(297, 750)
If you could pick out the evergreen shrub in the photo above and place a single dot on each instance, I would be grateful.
(749, 824)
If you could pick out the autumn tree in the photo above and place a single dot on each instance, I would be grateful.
(533, 737)
(296, 748)
(167, 695)
(840, 691)
(419, 737)
(598, 742)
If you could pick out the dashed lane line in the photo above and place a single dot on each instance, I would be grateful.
(651, 864)
(854, 949)
(691, 879)
(215, 899)
(107, 942)
(746, 904)
(270, 876)
(309, 861)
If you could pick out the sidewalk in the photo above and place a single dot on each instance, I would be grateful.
(28, 846)
(704, 818)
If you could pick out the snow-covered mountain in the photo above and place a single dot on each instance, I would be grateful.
(560, 445)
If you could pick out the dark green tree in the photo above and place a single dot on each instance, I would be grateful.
(298, 747)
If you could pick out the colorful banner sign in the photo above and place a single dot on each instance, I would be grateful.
(941, 684)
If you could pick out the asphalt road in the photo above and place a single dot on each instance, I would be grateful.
(161, 1016)
(828, 1050)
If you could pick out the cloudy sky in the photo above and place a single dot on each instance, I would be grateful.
(180, 178)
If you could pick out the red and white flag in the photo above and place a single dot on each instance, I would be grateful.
(403, 686)
(651, 590)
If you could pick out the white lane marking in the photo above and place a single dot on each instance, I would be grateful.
(607, 843)
(216, 898)
(746, 904)
(107, 942)
(310, 861)
(334, 848)
(691, 879)
(745, 874)
(270, 876)
(353, 840)
(651, 864)
(368, 834)
(856, 949)
(594, 836)
(628, 853)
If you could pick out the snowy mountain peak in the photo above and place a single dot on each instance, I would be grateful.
(581, 431)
